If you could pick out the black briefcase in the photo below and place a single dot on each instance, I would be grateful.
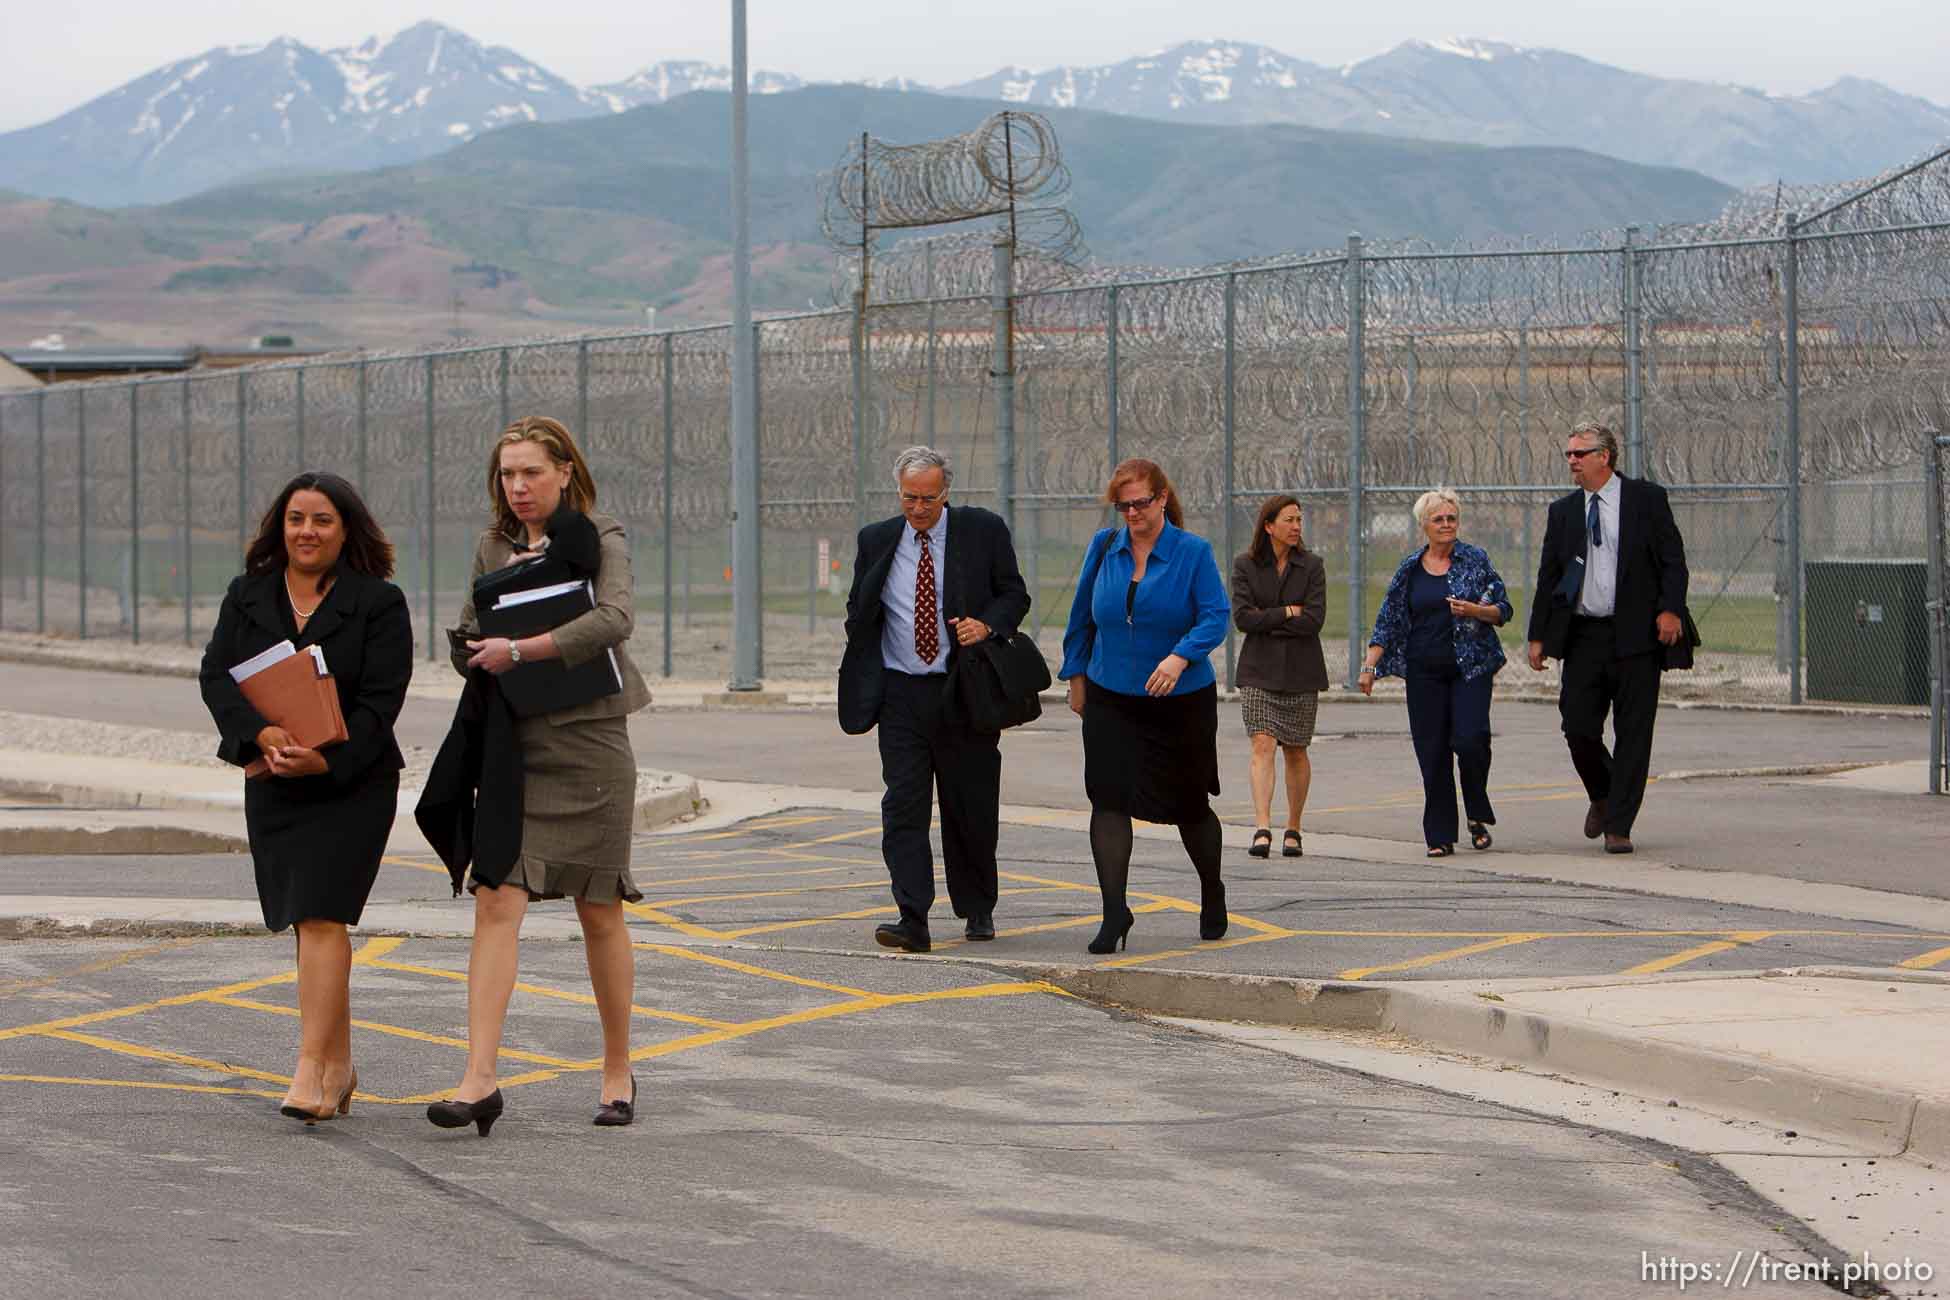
(998, 683)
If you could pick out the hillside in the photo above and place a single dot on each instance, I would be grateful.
(587, 222)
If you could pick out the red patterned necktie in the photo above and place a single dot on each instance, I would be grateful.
(927, 632)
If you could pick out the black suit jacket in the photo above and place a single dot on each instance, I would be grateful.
(367, 635)
(981, 581)
(1651, 569)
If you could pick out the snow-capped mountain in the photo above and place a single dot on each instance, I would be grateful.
(1489, 92)
(234, 112)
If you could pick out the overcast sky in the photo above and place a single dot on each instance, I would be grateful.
(54, 57)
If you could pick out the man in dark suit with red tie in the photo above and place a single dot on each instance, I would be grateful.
(1609, 600)
(926, 583)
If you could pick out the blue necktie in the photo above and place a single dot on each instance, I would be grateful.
(1591, 528)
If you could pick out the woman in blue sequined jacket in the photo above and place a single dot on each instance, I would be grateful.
(1437, 631)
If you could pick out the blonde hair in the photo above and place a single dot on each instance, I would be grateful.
(1430, 500)
(553, 437)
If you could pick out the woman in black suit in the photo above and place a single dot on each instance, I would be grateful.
(316, 574)
(1279, 600)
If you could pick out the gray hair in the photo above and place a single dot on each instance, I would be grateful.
(1601, 434)
(916, 459)
(1430, 500)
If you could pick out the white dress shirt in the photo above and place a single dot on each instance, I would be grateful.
(897, 599)
(1599, 596)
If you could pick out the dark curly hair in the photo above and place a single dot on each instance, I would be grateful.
(366, 549)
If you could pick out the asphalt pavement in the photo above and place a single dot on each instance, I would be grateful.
(810, 1125)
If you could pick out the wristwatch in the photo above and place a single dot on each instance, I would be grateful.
(514, 650)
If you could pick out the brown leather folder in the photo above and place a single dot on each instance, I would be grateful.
(291, 694)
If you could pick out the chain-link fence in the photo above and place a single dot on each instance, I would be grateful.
(1773, 373)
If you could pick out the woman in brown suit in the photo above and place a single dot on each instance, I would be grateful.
(578, 773)
(1279, 600)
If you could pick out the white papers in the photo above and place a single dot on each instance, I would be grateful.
(256, 664)
(513, 598)
(318, 657)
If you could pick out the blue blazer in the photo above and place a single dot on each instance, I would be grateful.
(1182, 608)
(1471, 577)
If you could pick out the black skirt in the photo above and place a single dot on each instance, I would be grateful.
(316, 848)
(1154, 758)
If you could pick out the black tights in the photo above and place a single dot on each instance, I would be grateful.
(1110, 849)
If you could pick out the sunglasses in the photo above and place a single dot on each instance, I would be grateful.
(916, 499)
(1141, 503)
(1579, 453)
(1444, 519)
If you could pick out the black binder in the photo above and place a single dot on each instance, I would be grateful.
(544, 687)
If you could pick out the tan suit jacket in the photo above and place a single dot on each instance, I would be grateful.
(606, 627)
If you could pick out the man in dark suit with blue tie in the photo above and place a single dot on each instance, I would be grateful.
(926, 583)
(1609, 599)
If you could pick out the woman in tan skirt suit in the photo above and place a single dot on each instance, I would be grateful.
(578, 773)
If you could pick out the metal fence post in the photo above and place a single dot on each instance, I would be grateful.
(1110, 375)
(670, 496)
(859, 350)
(1356, 451)
(506, 418)
(433, 625)
(135, 519)
(1634, 357)
(81, 498)
(298, 415)
(1792, 284)
(1003, 372)
(1231, 481)
(1935, 448)
(243, 457)
(583, 432)
(40, 513)
(362, 423)
(932, 335)
(758, 508)
(189, 583)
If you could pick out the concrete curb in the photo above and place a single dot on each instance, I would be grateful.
(1891, 1120)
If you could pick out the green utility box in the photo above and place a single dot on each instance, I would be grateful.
(1867, 631)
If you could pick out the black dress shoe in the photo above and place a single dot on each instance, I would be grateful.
(981, 926)
(1594, 819)
(618, 1114)
(902, 935)
(1617, 843)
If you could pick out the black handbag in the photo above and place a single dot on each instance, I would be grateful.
(1679, 655)
(998, 683)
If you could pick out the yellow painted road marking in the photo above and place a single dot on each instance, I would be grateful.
(1739, 939)
(157, 1054)
(885, 909)
(768, 893)
(564, 995)
(97, 966)
(710, 959)
(742, 875)
(1209, 946)
(1436, 958)
(396, 1031)
(141, 1083)
(746, 828)
(180, 1000)
(1927, 960)
(676, 923)
(835, 839)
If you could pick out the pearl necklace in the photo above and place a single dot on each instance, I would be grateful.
(303, 614)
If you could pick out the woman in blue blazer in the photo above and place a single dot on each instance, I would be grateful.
(1437, 629)
(1149, 609)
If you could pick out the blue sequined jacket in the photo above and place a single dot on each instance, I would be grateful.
(1471, 577)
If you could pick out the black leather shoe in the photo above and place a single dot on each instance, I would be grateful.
(618, 1114)
(902, 935)
(981, 926)
(1617, 843)
(1594, 819)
